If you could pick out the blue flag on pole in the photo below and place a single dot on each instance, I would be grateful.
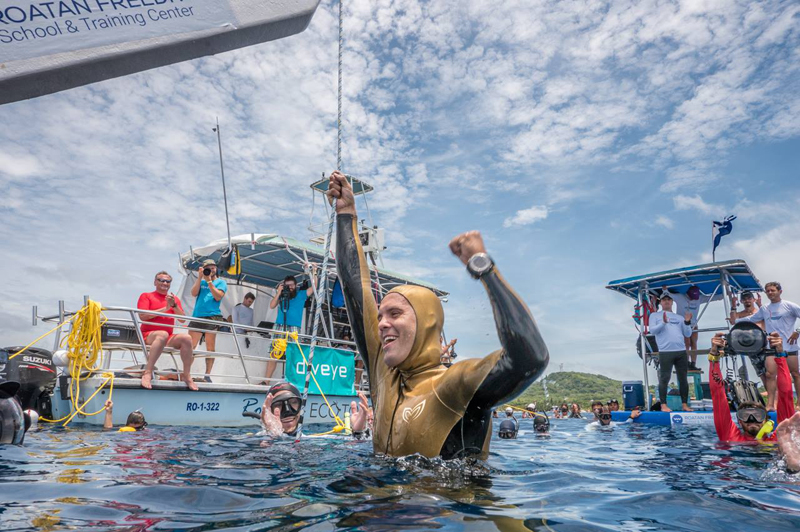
(721, 229)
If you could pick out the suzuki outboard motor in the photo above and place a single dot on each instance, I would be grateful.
(36, 374)
(12, 420)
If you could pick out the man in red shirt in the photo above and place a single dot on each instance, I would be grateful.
(157, 331)
(751, 416)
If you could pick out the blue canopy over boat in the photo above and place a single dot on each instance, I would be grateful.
(707, 277)
(267, 258)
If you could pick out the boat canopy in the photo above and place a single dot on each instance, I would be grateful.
(266, 259)
(707, 277)
(359, 186)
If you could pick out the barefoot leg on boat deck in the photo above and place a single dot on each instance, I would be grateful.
(211, 345)
(156, 340)
(184, 343)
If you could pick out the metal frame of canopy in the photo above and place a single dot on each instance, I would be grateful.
(267, 258)
(727, 276)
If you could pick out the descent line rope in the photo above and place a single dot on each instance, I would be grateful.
(323, 277)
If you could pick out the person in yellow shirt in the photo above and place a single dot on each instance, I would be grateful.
(135, 422)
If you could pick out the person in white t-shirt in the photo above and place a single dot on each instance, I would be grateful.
(780, 316)
(242, 314)
(670, 331)
(692, 302)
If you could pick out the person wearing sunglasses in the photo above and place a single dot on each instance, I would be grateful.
(158, 330)
(752, 417)
(134, 423)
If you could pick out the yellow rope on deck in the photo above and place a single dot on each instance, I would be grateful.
(83, 345)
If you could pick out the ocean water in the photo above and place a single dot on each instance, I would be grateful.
(630, 477)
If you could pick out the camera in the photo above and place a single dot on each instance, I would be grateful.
(206, 271)
(747, 338)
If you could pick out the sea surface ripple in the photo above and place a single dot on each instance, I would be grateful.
(630, 477)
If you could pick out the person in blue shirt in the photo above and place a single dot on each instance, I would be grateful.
(290, 303)
(209, 291)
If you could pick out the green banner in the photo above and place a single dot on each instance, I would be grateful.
(333, 368)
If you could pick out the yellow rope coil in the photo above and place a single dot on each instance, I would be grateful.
(279, 347)
(84, 346)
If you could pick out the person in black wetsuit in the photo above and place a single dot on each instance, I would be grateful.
(421, 406)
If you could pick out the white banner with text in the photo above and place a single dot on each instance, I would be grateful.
(38, 28)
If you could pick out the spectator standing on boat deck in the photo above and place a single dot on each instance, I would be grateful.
(157, 330)
(290, 303)
(209, 291)
(670, 331)
(751, 305)
(242, 314)
(691, 302)
(780, 316)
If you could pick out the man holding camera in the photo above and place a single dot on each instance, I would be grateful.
(209, 291)
(290, 302)
(157, 330)
(780, 316)
(752, 416)
(670, 331)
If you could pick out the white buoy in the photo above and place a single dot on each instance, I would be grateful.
(61, 358)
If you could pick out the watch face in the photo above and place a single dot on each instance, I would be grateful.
(481, 262)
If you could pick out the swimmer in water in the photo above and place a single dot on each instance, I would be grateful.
(541, 423)
(420, 405)
(604, 418)
(134, 423)
(509, 426)
(13, 421)
(754, 424)
(281, 409)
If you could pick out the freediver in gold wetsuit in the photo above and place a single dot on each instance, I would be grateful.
(420, 405)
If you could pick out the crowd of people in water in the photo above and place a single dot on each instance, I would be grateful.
(423, 402)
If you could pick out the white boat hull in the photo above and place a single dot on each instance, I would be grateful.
(171, 403)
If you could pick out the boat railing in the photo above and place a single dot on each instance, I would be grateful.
(132, 317)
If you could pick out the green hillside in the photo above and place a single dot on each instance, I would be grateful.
(571, 387)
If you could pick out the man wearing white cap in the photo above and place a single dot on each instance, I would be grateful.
(670, 331)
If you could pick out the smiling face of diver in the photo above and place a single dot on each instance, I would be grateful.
(286, 407)
(397, 324)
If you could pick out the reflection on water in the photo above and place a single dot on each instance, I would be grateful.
(633, 477)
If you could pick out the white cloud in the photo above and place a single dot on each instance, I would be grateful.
(686, 203)
(527, 216)
(663, 221)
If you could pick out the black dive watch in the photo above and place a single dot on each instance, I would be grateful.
(479, 265)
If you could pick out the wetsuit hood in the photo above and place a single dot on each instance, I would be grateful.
(427, 349)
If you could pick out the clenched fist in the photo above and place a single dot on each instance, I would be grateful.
(465, 245)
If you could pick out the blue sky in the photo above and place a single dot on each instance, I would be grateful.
(589, 141)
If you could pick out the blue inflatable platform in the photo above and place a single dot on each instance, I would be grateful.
(675, 419)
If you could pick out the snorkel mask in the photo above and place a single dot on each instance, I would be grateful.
(289, 403)
(541, 423)
(751, 415)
